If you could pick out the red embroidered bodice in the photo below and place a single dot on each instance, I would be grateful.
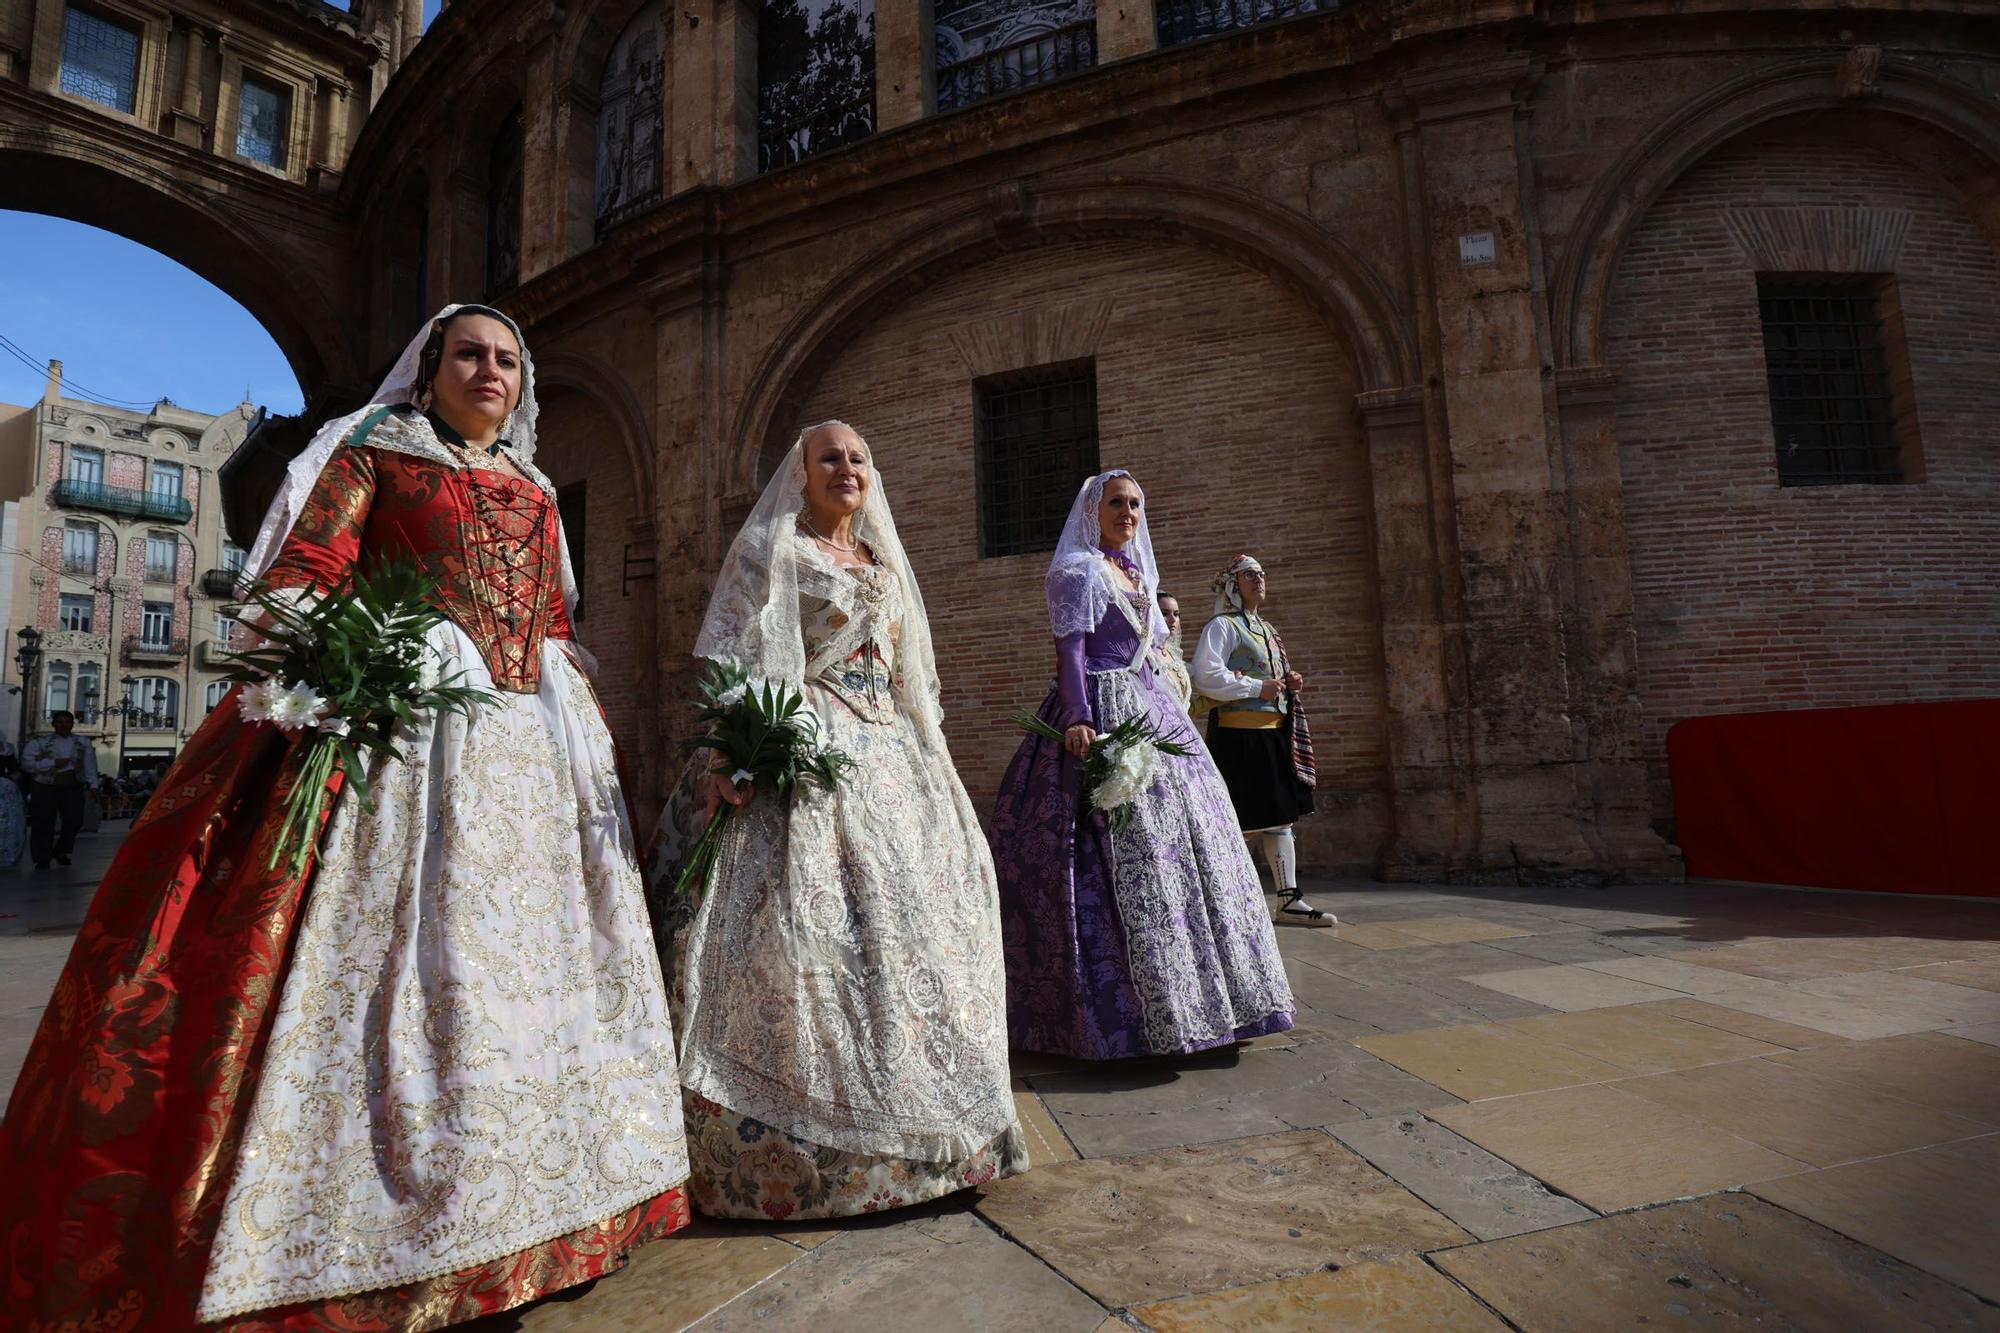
(490, 540)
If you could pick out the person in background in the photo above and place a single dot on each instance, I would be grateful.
(13, 808)
(1257, 731)
(62, 766)
(1173, 667)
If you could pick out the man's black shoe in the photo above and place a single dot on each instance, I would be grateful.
(61, 860)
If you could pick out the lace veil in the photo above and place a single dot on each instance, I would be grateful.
(753, 614)
(1079, 582)
(400, 386)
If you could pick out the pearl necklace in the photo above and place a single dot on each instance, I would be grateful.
(849, 550)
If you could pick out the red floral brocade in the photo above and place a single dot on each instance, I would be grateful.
(121, 1136)
(490, 540)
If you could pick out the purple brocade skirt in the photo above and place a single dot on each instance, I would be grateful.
(1150, 940)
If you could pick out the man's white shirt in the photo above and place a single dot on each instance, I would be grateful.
(43, 753)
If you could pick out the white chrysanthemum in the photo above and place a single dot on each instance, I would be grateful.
(1131, 772)
(299, 706)
(258, 703)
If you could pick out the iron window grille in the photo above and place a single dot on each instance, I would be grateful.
(1179, 21)
(1034, 442)
(815, 78)
(100, 60)
(988, 48)
(1827, 362)
(260, 123)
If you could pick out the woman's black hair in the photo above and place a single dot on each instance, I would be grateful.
(433, 353)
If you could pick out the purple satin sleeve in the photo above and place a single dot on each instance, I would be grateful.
(1072, 692)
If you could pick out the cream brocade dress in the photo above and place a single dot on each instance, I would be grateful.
(843, 1000)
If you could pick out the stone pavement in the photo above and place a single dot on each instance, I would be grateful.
(1559, 1109)
(39, 913)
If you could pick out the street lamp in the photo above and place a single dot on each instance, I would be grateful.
(126, 709)
(28, 657)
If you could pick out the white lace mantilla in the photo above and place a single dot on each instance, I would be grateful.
(472, 1052)
(844, 975)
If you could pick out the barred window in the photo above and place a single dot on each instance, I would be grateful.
(260, 123)
(1830, 373)
(100, 60)
(1034, 442)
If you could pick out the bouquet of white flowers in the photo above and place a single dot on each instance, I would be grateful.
(343, 666)
(761, 733)
(1121, 762)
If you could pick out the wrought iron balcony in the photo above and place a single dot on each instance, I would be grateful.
(123, 501)
(1022, 64)
(139, 648)
(218, 582)
(1191, 20)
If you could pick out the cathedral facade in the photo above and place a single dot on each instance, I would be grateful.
(1573, 369)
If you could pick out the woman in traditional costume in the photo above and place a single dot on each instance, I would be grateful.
(844, 1047)
(433, 1075)
(1174, 677)
(1149, 937)
(1257, 732)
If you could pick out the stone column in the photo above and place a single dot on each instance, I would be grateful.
(711, 109)
(413, 27)
(905, 64)
(184, 122)
(1469, 228)
(1125, 28)
(544, 179)
(1429, 771)
(1602, 641)
(685, 302)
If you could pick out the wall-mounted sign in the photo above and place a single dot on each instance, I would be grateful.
(1476, 248)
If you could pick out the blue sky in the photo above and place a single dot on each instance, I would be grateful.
(127, 322)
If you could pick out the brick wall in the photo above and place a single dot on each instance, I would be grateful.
(1232, 404)
(1752, 597)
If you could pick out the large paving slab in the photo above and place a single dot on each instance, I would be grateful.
(1931, 1069)
(1570, 988)
(1394, 1296)
(1047, 1144)
(1934, 1208)
(1475, 1189)
(1644, 1038)
(1488, 1060)
(1939, 1003)
(1771, 1031)
(670, 1283)
(1140, 1229)
(1813, 1120)
(1984, 973)
(1611, 1150)
(1456, 929)
(913, 1276)
(1807, 960)
(1117, 1110)
(1725, 1262)
(1989, 1033)
(1842, 1015)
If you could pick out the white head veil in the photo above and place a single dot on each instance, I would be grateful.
(753, 614)
(1079, 585)
(399, 387)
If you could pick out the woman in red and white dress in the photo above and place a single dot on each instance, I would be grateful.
(431, 1077)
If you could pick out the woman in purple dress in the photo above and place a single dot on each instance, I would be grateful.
(1151, 938)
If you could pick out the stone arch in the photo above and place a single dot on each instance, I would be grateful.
(608, 389)
(84, 179)
(1957, 136)
(1339, 284)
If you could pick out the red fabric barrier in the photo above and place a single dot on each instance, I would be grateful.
(1903, 798)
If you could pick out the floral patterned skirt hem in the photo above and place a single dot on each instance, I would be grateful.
(527, 1275)
(743, 1168)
